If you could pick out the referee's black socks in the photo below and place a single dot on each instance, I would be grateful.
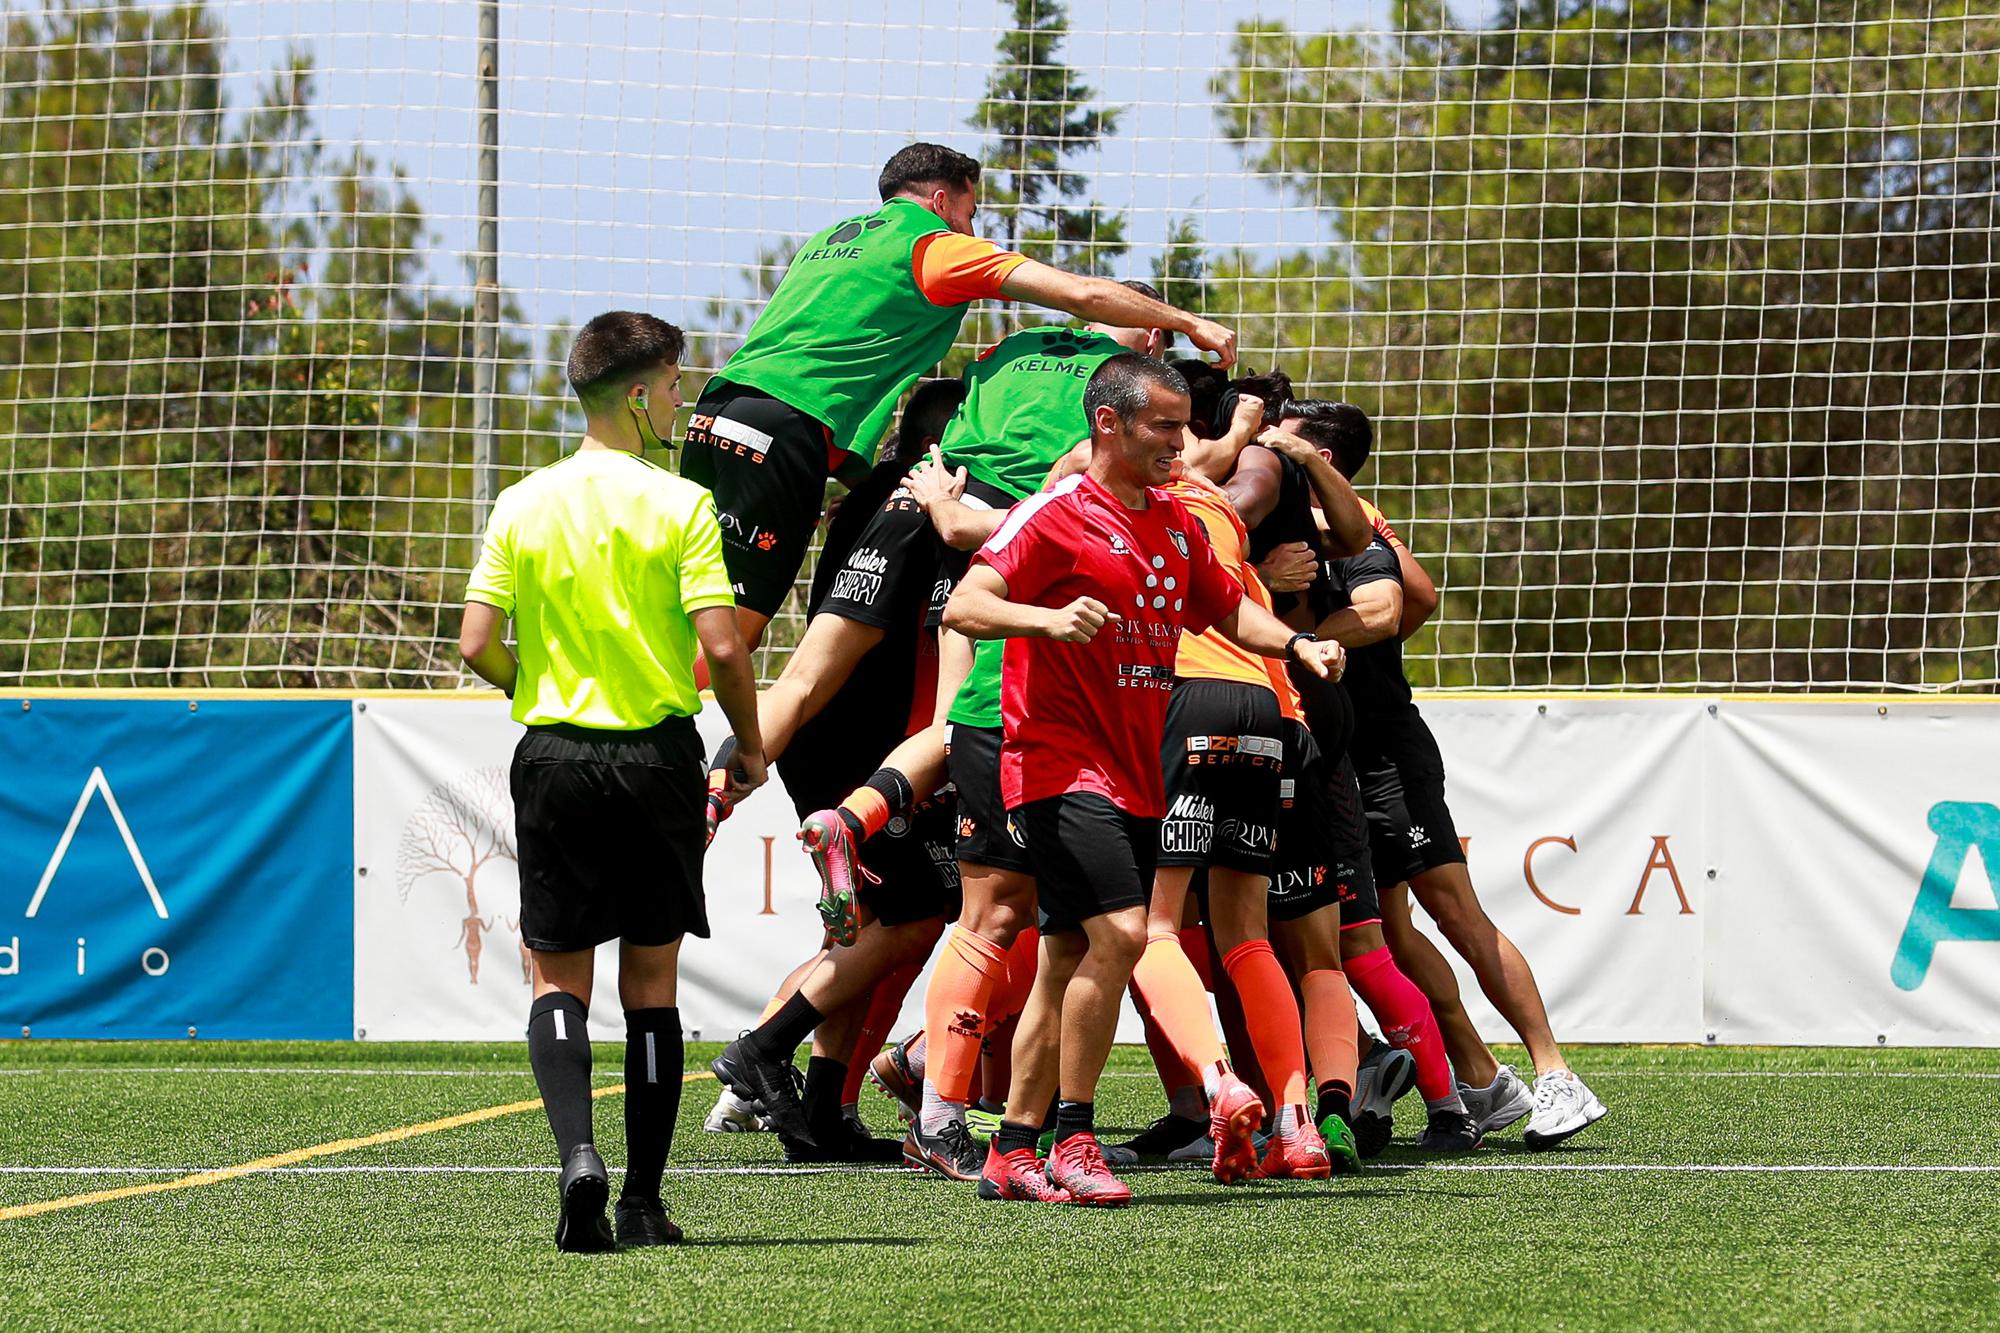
(653, 1058)
(559, 1052)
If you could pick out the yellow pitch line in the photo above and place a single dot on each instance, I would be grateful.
(296, 1155)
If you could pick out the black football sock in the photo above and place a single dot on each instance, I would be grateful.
(1013, 1137)
(825, 1079)
(783, 1031)
(1335, 1099)
(895, 791)
(1073, 1118)
(559, 1052)
(653, 1057)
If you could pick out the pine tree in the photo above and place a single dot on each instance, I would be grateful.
(1038, 111)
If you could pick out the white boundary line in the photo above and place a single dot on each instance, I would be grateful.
(331, 1071)
(1579, 1168)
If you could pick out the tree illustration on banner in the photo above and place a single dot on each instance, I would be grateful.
(462, 829)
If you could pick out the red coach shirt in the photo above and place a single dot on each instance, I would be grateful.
(1088, 717)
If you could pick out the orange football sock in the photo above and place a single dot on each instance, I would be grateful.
(958, 1010)
(1272, 1015)
(882, 1011)
(1330, 1039)
(1011, 995)
(870, 810)
(1174, 996)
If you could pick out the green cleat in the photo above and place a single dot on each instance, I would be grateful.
(1341, 1148)
(982, 1124)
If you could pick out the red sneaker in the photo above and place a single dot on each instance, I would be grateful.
(1077, 1165)
(1300, 1155)
(827, 837)
(1233, 1117)
(1017, 1176)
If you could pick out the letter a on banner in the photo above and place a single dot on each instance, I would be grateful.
(1961, 826)
(98, 785)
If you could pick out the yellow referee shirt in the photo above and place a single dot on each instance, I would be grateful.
(602, 558)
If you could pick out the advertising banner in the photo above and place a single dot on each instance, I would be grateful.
(437, 893)
(1854, 904)
(176, 869)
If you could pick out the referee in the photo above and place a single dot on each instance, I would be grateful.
(612, 570)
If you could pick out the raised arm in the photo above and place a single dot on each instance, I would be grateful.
(1348, 530)
(1376, 611)
(1420, 595)
(1256, 630)
(1102, 301)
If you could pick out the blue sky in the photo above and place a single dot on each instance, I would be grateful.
(648, 151)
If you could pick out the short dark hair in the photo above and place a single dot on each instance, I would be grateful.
(925, 416)
(1125, 382)
(1206, 385)
(926, 164)
(617, 347)
(1274, 387)
(1144, 289)
(1342, 429)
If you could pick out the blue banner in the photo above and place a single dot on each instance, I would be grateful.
(166, 867)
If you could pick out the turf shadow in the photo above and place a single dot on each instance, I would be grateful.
(769, 1242)
(1247, 1199)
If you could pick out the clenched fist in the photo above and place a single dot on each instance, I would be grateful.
(1079, 621)
(1323, 657)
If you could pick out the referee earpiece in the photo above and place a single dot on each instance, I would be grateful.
(636, 398)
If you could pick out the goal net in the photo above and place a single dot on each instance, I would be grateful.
(1677, 321)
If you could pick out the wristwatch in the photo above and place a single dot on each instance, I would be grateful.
(1292, 644)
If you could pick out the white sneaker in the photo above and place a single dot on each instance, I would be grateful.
(1201, 1150)
(1563, 1105)
(1500, 1103)
(734, 1115)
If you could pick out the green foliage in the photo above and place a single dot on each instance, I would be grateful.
(1037, 109)
(1678, 320)
(235, 402)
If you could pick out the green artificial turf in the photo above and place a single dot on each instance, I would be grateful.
(1503, 1239)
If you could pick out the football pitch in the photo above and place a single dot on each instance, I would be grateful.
(410, 1185)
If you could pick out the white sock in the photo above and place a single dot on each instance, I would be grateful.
(1451, 1103)
(1288, 1119)
(915, 1055)
(1211, 1079)
(937, 1112)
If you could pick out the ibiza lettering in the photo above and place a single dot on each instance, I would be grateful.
(1145, 677)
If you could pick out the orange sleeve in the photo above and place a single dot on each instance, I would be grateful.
(1379, 523)
(952, 269)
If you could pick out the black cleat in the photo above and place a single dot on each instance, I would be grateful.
(1372, 1132)
(644, 1222)
(1449, 1132)
(585, 1185)
(950, 1153)
(770, 1082)
(843, 1141)
(1156, 1141)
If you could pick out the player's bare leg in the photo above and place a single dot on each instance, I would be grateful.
(1423, 964)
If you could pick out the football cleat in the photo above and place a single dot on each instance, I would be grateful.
(585, 1185)
(831, 844)
(1018, 1176)
(1341, 1150)
(1300, 1155)
(1449, 1131)
(950, 1152)
(1563, 1105)
(1157, 1141)
(1385, 1076)
(644, 1222)
(1233, 1118)
(891, 1072)
(981, 1123)
(770, 1082)
(1078, 1166)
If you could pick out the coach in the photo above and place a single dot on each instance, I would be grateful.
(612, 569)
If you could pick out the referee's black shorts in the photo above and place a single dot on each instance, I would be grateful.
(610, 831)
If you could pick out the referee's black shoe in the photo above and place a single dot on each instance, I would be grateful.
(769, 1081)
(643, 1222)
(585, 1185)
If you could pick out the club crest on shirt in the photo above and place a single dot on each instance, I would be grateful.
(1180, 541)
(1118, 546)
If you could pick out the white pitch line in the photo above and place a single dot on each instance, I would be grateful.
(1585, 1168)
(329, 1071)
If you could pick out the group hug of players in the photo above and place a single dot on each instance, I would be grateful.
(1101, 687)
(1102, 684)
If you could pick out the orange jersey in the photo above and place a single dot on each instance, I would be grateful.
(1209, 656)
(1379, 523)
(952, 269)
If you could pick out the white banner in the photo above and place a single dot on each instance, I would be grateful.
(437, 899)
(1674, 869)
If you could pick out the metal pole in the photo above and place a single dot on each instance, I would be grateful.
(486, 273)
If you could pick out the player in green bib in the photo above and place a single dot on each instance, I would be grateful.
(868, 305)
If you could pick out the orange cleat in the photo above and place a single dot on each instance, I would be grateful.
(1233, 1118)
